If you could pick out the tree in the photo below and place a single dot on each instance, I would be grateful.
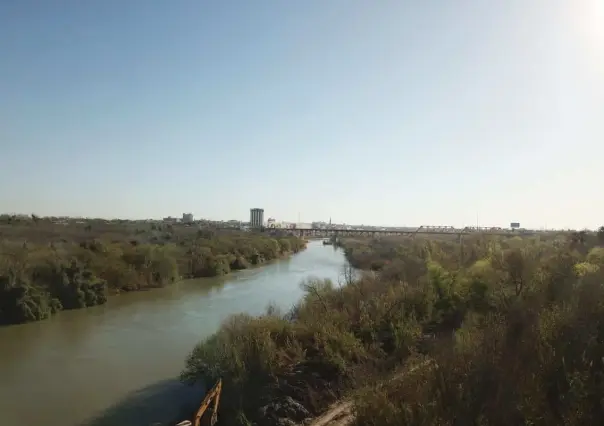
(600, 235)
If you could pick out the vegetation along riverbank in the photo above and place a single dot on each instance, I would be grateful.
(487, 331)
(47, 265)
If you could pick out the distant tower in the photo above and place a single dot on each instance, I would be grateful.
(256, 218)
(329, 221)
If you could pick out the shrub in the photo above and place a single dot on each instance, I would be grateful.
(70, 267)
(492, 331)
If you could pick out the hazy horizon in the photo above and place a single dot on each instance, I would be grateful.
(282, 220)
(393, 113)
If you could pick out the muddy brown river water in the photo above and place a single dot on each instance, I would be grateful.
(118, 364)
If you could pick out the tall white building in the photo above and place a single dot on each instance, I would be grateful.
(256, 218)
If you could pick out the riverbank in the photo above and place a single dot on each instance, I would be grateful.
(498, 323)
(72, 270)
(140, 337)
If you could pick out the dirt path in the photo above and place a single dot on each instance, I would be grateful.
(339, 414)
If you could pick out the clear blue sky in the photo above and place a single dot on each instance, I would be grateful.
(375, 112)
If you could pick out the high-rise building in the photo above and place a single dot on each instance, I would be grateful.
(256, 218)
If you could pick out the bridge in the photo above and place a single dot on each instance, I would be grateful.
(424, 229)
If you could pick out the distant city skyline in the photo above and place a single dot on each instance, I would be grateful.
(189, 217)
(395, 112)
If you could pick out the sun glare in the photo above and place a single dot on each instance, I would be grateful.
(588, 21)
(593, 21)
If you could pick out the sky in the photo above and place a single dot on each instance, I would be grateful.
(388, 112)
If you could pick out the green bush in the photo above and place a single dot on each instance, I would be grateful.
(71, 268)
(490, 331)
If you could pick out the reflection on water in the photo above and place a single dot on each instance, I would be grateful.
(116, 363)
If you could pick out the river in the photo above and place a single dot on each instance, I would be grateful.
(118, 364)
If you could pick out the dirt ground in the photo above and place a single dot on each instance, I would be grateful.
(339, 414)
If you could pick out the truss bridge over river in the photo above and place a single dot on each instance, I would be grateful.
(424, 229)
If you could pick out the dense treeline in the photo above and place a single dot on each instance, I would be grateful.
(492, 331)
(81, 266)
